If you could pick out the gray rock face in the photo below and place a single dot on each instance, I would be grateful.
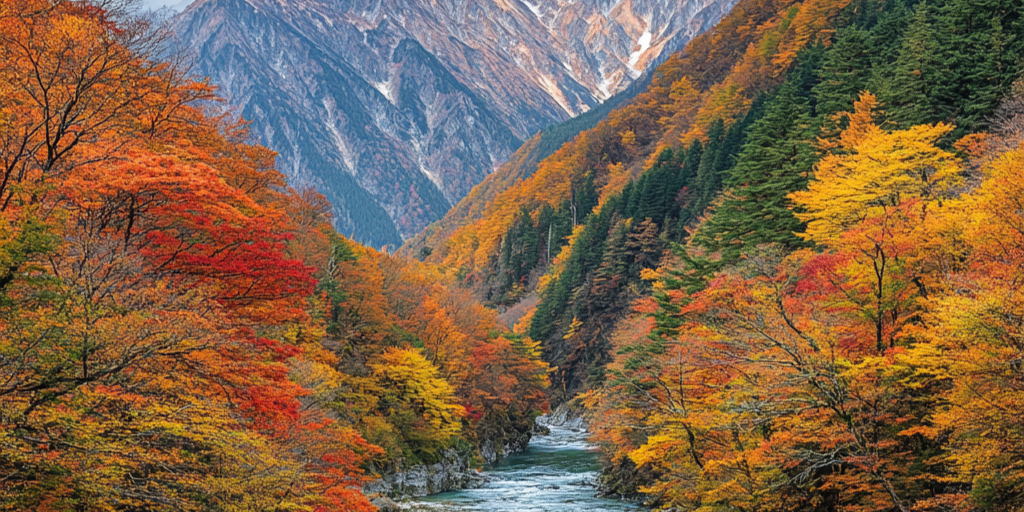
(494, 452)
(452, 473)
(568, 415)
(394, 109)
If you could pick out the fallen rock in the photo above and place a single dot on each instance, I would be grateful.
(385, 504)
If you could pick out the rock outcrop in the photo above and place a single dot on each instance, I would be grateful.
(495, 451)
(385, 504)
(395, 109)
(570, 415)
(453, 472)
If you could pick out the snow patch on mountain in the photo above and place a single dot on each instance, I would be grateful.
(534, 8)
(385, 89)
(644, 43)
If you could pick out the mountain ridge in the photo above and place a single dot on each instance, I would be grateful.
(396, 109)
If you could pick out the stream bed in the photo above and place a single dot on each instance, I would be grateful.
(558, 472)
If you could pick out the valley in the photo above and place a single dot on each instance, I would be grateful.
(467, 255)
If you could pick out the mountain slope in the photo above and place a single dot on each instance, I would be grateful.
(395, 109)
(519, 167)
(577, 233)
(716, 76)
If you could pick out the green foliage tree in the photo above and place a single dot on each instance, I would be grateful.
(845, 71)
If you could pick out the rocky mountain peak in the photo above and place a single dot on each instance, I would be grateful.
(396, 108)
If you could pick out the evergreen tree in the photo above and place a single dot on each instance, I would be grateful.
(645, 245)
(906, 93)
(806, 74)
(518, 257)
(886, 36)
(630, 205)
(845, 71)
(658, 188)
(549, 239)
(609, 275)
(708, 180)
(528, 245)
(734, 140)
(776, 160)
(585, 198)
(685, 178)
(980, 49)
(553, 312)
(690, 165)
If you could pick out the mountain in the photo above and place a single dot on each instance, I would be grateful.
(570, 232)
(395, 109)
(520, 166)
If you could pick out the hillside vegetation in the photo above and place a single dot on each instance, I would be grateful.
(179, 330)
(785, 276)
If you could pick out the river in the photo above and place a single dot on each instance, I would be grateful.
(558, 472)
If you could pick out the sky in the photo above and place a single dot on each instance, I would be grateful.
(157, 4)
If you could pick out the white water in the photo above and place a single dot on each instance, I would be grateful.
(557, 473)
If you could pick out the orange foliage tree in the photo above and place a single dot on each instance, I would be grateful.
(147, 290)
(870, 373)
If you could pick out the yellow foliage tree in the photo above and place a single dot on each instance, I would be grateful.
(415, 392)
(873, 170)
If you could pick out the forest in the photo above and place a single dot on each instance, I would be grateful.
(787, 275)
(179, 329)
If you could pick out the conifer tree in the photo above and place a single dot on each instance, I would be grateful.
(657, 188)
(845, 71)
(708, 181)
(610, 274)
(775, 161)
(886, 37)
(645, 246)
(980, 48)
(690, 164)
(906, 94)
(546, 233)
(586, 255)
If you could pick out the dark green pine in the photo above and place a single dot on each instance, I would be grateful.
(980, 49)
(906, 91)
(845, 71)
(775, 161)
(708, 181)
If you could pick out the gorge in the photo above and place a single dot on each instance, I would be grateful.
(778, 271)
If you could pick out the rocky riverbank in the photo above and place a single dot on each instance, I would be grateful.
(569, 415)
(455, 471)
(494, 451)
(557, 473)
